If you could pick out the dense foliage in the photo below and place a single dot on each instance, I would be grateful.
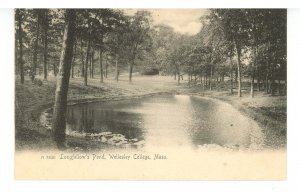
(234, 45)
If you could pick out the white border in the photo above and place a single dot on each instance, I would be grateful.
(7, 182)
(150, 4)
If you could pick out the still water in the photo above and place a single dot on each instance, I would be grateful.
(166, 120)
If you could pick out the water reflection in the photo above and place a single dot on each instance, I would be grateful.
(165, 121)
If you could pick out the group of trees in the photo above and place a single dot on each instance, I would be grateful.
(246, 44)
(242, 44)
(103, 36)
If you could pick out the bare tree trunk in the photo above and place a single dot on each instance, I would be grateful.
(231, 76)
(20, 33)
(272, 86)
(86, 63)
(35, 51)
(62, 84)
(55, 69)
(92, 64)
(253, 73)
(175, 76)
(238, 51)
(201, 76)
(267, 79)
(46, 25)
(130, 72)
(236, 75)
(74, 59)
(278, 87)
(210, 77)
(178, 78)
(82, 58)
(117, 70)
(258, 79)
(16, 48)
(285, 82)
(106, 66)
(252, 83)
(101, 65)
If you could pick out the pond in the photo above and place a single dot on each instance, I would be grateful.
(164, 121)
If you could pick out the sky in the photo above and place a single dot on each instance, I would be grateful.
(184, 21)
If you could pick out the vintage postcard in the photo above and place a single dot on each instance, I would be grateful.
(150, 94)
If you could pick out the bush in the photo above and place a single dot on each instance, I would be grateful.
(38, 82)
(150, 71)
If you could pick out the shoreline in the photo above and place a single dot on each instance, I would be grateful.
(42, 134)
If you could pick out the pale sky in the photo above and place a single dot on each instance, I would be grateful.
(181, 20)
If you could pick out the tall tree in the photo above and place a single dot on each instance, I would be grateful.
(60, 104)
(117, 43)
(233, 22)
(36, 42)
(74, 59)
(45, 28)
(138, 38)
(104, 22)
(20, 17)
(87, 60)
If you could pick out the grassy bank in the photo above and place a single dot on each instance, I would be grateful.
(270, 112)
(32, 99)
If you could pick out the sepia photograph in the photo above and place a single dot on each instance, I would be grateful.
(150, 94)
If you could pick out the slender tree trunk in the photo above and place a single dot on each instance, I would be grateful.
(117, 70)
(46, 25)
(174, 76)
(252, 83)
(20, 33)
(258, 79)
(82, 58)
(203, 82)
(21, 64)
(130, 72)
(253, 72)
(278, 87)
(74, 59)
(86, 63)
(101, 65)
(55, 69)
(35, 51)
(16, 48)
(231, 76)
(238, 51)
(178, 78)
(210, 77)
(201, 76)
(60, 104)
(92, 64)
(267, 79)
(272, 85)
(236, 75)
(285, 82)
(106, 66)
